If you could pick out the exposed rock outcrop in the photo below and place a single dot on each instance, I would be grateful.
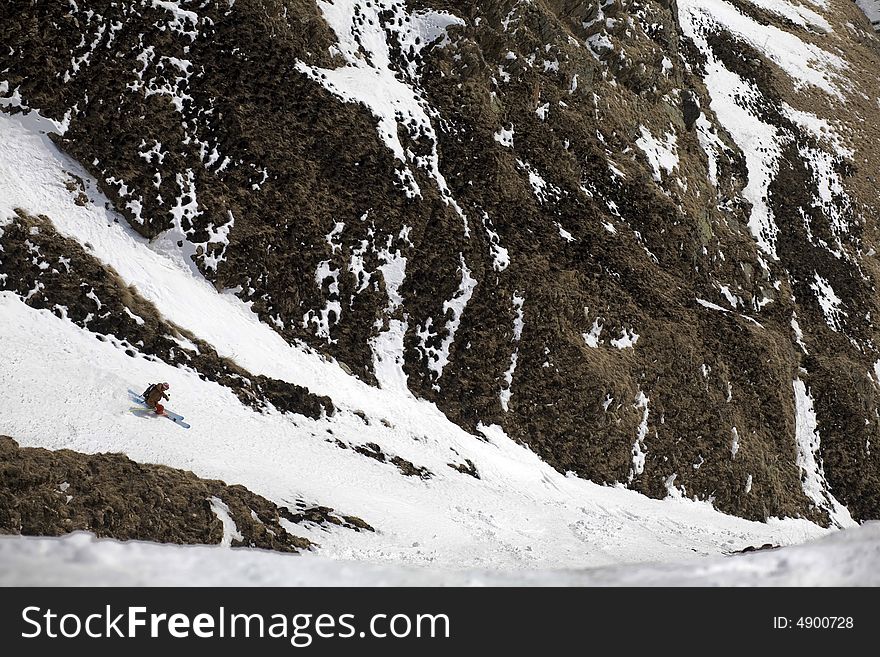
(50, 493)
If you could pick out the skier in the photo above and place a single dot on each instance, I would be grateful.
(153, 396)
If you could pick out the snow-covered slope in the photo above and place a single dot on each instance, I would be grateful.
(68, 390)
(872, 11)
(520, 513)
(849, 558)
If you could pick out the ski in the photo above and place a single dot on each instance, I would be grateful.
(177, 419)
(174, 417)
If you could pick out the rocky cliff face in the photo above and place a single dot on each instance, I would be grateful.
(639, 235)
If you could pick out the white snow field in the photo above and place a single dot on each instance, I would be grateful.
(65, 389)
(872, 10)
(847, 558)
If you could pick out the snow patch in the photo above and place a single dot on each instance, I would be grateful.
(798, 334)
(518, 325)
(592, 338)
(809, 459)
(438, 358)
(872, 11)
(639, 453)
(627, 340)
(500, 255)
(797, 14)
(388, 347)
(806, 63)
(230, 530)
(504, 136)
(662, 153)
(829, 302)
(734, 99)
(711, 144)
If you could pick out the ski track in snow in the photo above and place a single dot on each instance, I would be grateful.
(521, 513)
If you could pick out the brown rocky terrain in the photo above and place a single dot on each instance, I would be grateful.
(625, 315)
(50, 493)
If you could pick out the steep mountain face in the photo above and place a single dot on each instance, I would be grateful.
(639, 235)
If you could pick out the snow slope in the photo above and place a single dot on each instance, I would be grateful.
(68, 390)
(872, 11)
(521, 513)
(848, 558)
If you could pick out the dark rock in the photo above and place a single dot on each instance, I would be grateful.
(46, 493)
(690, 107)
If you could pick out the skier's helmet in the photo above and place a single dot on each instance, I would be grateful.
(165, 386)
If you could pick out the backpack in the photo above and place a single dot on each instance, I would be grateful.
(149, 390)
